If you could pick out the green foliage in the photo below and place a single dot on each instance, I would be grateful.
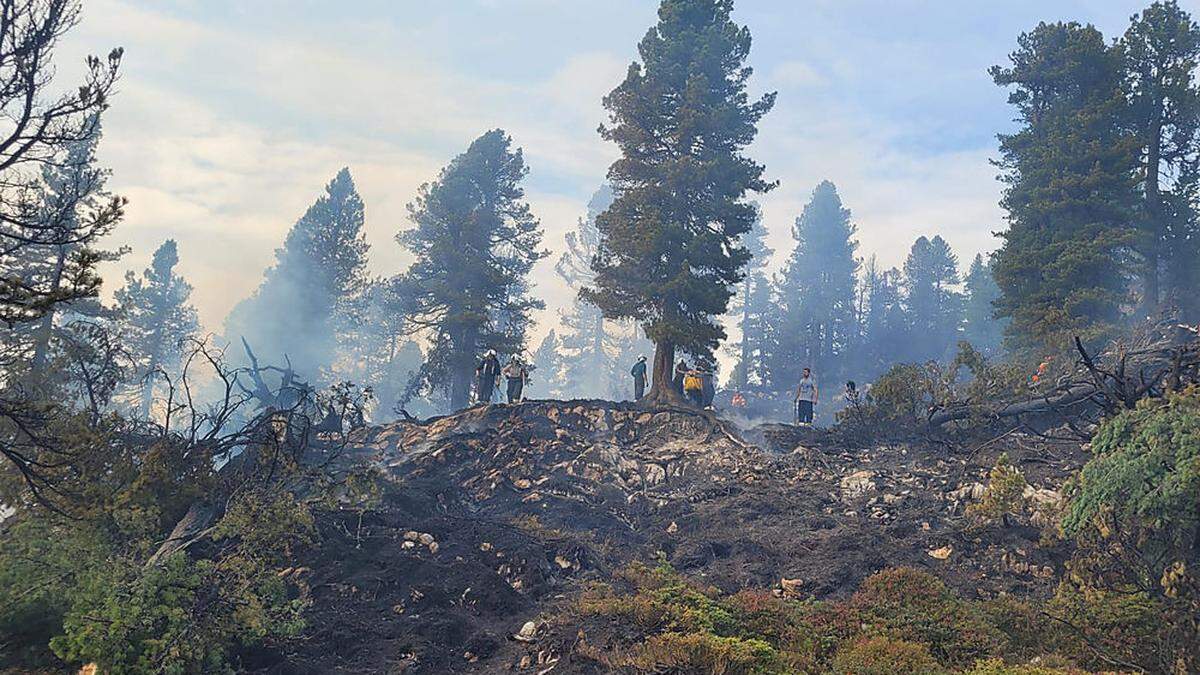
(669, 244)
(999, 667)
(185, 614)
(1070, 187)
(910, 605)
(1135, 519)
(814, 319)
(474, 242)
(885, 656)
(1004, 496)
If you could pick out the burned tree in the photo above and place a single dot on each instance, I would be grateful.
(669, 244)
(475, 242)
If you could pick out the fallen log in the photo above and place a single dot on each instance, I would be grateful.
(1043, 404)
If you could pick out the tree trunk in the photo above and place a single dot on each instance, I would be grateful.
(45, 329)
(662, 388)
(1154, 235)
(462, 369)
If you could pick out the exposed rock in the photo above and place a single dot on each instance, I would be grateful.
(941, 553)
(858, 484)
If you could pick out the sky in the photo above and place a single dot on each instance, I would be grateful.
(231, 116)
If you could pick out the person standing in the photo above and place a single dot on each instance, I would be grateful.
(708, 390)
(681, 371)
(516, 375)
(486, 374)
(693, 387)
(639, 378)
(806, 398)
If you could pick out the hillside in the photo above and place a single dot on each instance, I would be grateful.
(503, 515)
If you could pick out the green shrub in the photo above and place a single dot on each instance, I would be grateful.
(885, 656)
(915, 606)
(1135, 519)
(999, 667)
(1004, 496)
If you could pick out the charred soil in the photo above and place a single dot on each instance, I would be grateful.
(497, 516)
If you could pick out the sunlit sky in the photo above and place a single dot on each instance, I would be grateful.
(231, 115)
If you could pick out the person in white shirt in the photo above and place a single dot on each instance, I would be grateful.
(806, 398)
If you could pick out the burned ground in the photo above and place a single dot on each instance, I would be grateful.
(499, 515)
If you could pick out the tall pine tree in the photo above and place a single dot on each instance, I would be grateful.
(305, 300)
(156, 319)
(752, 307)
(1069, 187)
(546, 380)
(590, 350)
(57, 262)
(1161, 51)
(815, 293)
(669, 249)
(933, 305)
(885, 333)
(980, 326)
(475, 242)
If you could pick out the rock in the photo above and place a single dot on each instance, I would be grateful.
(791, 587)
(527, 633)
(857, 484)
(433, 547)
(522, 484)
(425, 538)
(1043, 497)
(412, 535)
(485, 546)
(893, 499)
(672, 528)
(563, 562)
(941, 553)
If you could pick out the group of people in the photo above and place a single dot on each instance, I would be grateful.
(489, 371)
(695, 384)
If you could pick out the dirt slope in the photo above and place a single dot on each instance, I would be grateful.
(493, 516)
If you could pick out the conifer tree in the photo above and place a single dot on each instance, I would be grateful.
(589, 349)
(752, 304)
(57, 262)
(546, 380)
(885, 331)
(156, 320)
(1161, 52)
(669, 249)
(815, 292)
(376, 350)
(933, 305)
(475, 242)
(304, 301)
(980, 326)
(1069, 187)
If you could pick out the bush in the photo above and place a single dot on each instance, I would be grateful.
(1135, 519)
(1004, 497)
(915, 606)
(999, 667)
(885, 656)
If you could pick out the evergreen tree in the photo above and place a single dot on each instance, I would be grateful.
(546, 380)
(157, 319)
(305, 300)
(1069, 186)
(56, 263)
(475, 242)
(934, 307)
(1161, 51)
(752, 305)
(885, 331)
(377, 351)
(981, 328)
(589, 349)
(669, 249)
(815, 292)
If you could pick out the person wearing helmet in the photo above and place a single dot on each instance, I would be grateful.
(639, 378)
(486, 374)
